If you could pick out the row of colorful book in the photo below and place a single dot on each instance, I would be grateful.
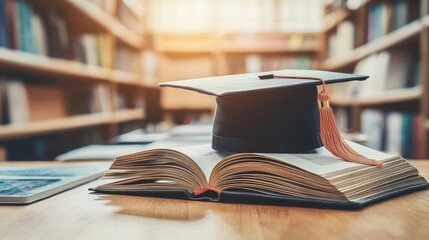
(29, 27)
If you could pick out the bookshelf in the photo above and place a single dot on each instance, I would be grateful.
(393, 96)
(405, 33)
(78, 121)
(42, 65)
(382, 31)
(106, 22)
(111, 92)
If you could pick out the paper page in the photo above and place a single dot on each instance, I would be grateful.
(320, 161)
(205, 157)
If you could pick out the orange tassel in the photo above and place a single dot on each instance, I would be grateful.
(331, 137)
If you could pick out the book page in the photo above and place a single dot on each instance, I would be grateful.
(320, 161)
(204, 156)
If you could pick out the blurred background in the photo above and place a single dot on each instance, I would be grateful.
(80, 72)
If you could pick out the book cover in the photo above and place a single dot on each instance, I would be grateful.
(4, 38)
(12, 18)
(16, 101)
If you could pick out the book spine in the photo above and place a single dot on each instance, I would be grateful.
(3, 25)
(13, 24)
(397, 133)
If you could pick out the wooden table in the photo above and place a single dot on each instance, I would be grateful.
(77, 214)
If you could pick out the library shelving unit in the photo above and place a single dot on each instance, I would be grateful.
(122, 99)
(412, 35)
(192, 55)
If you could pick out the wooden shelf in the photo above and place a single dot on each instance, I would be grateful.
(334, 18)
(125, 115)
(268, 49)
(60, 67)
(184, 43)
(127, 78)
(391, 96)
(225, 43)
(269, 43)
(12, 131)
(107, 22)
(47, 126)
(401, 35)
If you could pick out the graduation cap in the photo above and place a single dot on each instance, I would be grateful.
(276, 112)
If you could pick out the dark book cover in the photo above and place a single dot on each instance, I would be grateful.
(4, 41)
(12, 21)
(251, 197)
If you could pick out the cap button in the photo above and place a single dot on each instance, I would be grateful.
(268, 76)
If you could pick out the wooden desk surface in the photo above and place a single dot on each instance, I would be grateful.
(77, 214)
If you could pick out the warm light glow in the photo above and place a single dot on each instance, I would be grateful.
(184, 16)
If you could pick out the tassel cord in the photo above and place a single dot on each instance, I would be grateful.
(331, 137)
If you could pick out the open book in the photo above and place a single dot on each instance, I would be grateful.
(314, 178)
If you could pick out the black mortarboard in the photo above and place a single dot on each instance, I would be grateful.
(273, 111)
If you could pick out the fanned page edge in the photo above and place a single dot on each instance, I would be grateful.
(133, 158)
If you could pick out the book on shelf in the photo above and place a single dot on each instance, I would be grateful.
(58, 34)
(394, 132)
(389, 70)
(16, 105)
(100, 100)
(25, 102)
(45, 30)
(314, 178)
(92, 99)
(26, 26)
(87, 49)
(24, 185)
(343, 40)
(126, 59)
(95, 49)
(386, 16)
(4, 41)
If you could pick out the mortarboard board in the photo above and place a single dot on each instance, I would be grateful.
(274, 111)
